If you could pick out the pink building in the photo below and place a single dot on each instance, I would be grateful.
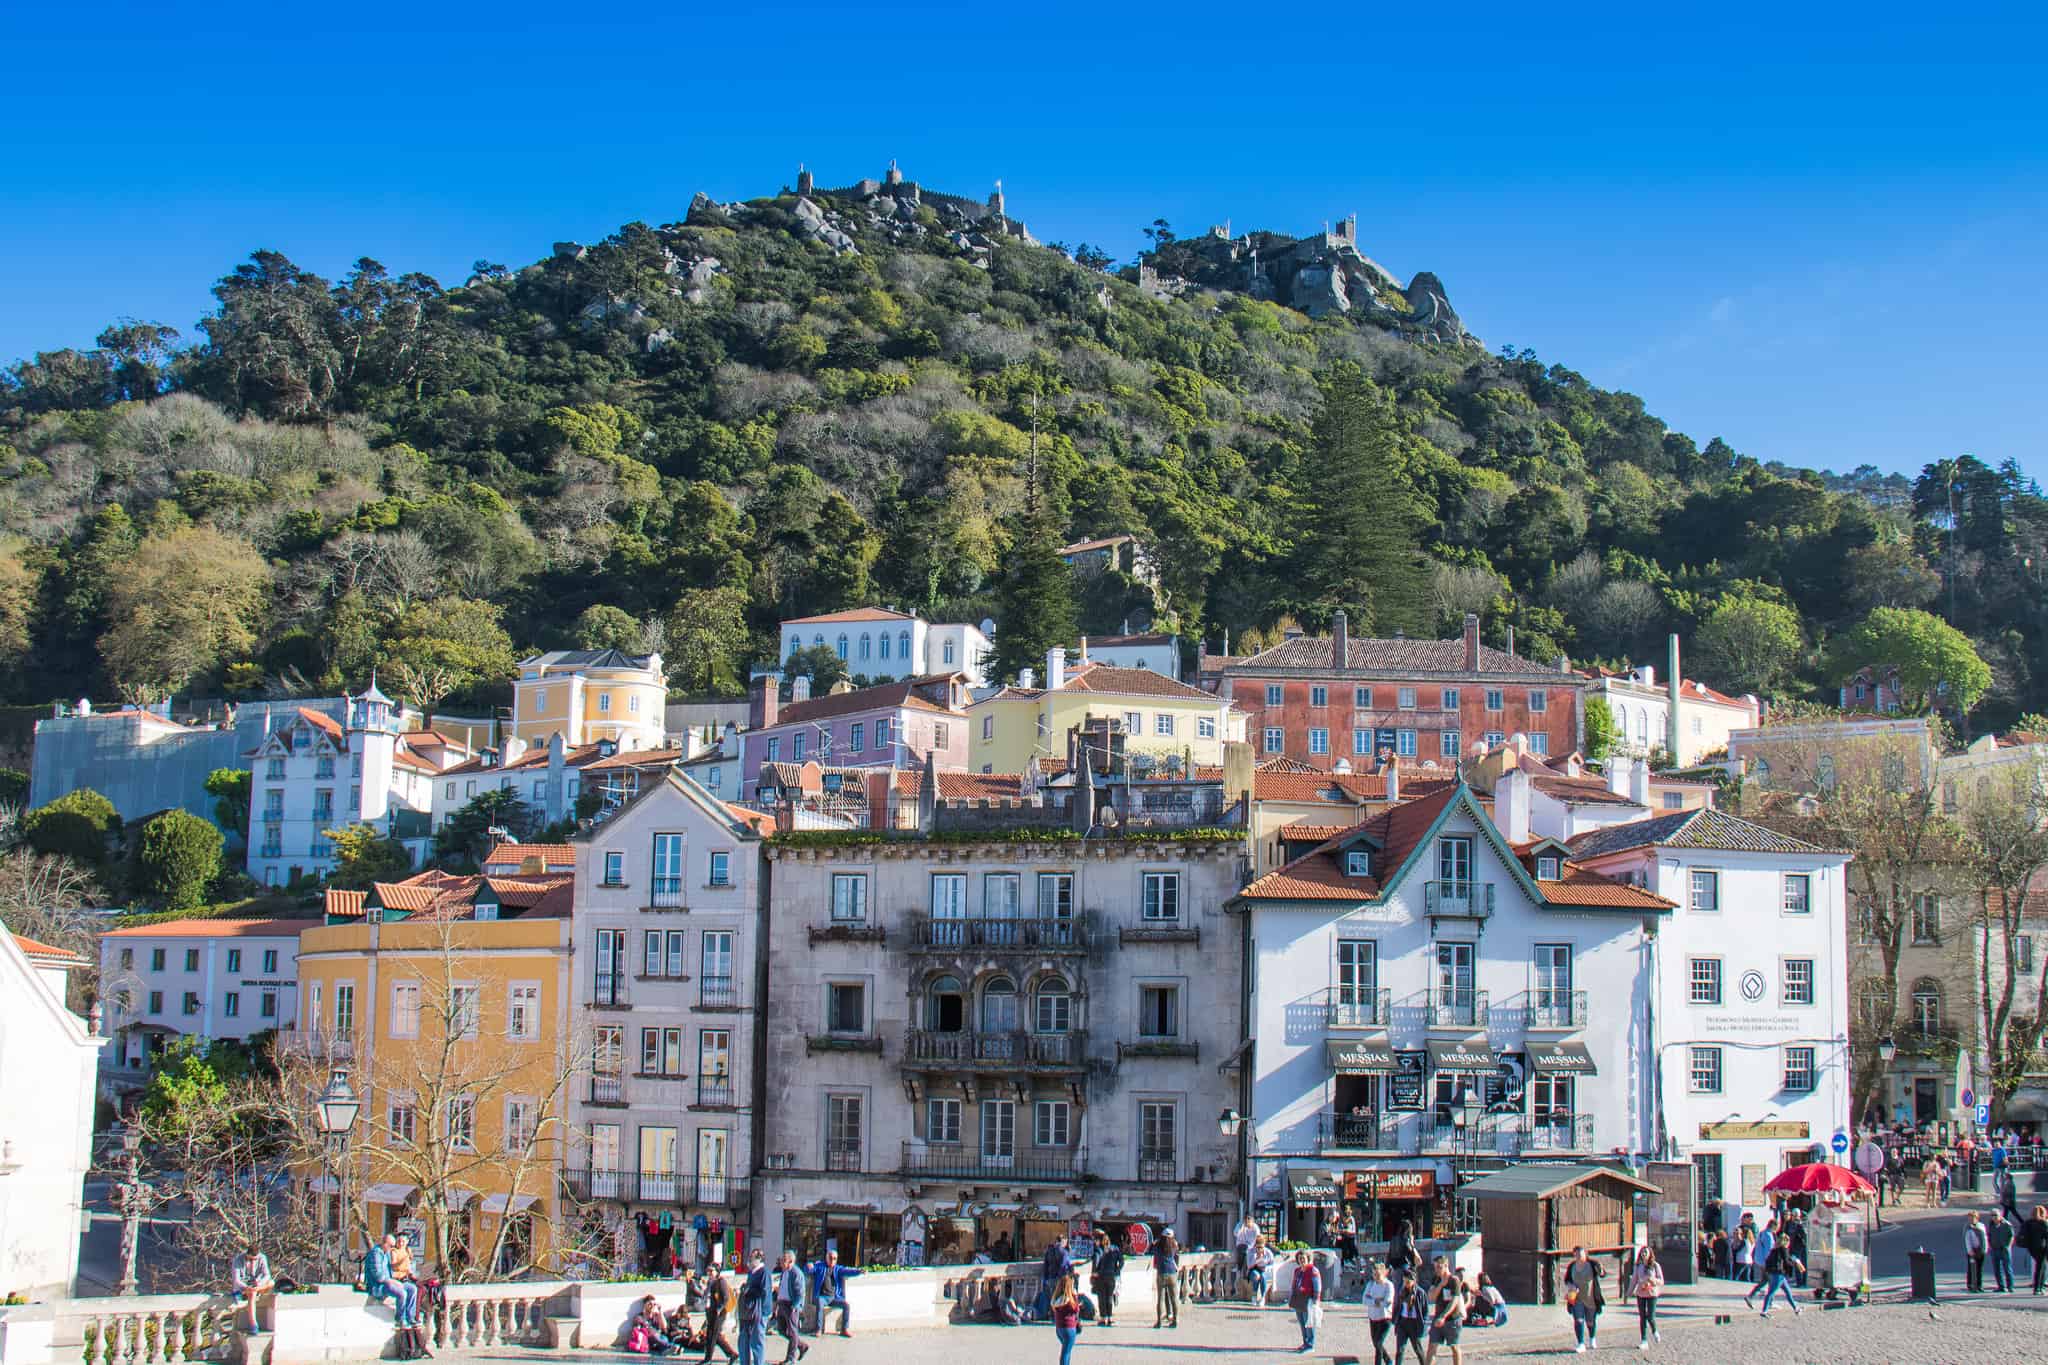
(892, 725)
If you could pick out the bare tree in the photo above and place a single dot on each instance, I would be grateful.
(406, 569)
(46, 898)
(2008, 846)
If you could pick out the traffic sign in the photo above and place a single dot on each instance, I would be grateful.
(1983, 1116)
(1869, 1159)
(1969, 1098)
(1841, 1143)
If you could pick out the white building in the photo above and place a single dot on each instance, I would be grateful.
(668, 921)
(881, 643)
(314, 773)
(1157, 653)
(48, 1056)
(1750, 996)
(1679, 717)
(1429, 988)
(551, 778)
(195, 978)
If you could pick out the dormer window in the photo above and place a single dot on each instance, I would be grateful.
(1546, 869)
(1358, 863)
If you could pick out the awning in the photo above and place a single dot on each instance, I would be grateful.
(323, 1184)
(496, 1203)
(1562, 1059)
(1468, 1054)
(389, 1192)
(2029, 1104)
(1351, 1055)
(1312, 1187)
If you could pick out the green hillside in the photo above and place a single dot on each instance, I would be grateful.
(679, 434)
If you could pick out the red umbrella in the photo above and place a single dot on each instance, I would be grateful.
(1822, 1178)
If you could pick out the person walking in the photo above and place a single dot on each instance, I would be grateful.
(2034, 1237)
(2000, 1235)
(1645, 1286)
(1447, 1305)
(1260, 1276)
(1401, 1254)
(789, 1303)
(1411, 1318)
(1777, 1269)
(1103, 1277)
(1976, 1245)
(1305, 1297)
(1066, 1317)
(1583, 1298)
(1947, 1170)
(1378, 1299)
(719, 1303)
(1795, 1245)
(828, 1288)
(2006, 1189)
(757, 1302)
(1759, 1264)
(1166, 1289)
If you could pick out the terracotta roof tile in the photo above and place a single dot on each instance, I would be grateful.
(965, 786)
(1302, 831)
(551, 856)
(883, 697)
(1310, 654)
(1581, 791)
(1132, 682)
(1578, 886)
(279, 927)
(758, 821)
(31, 948)
(345, 904)
(322, 722)
(851, 614)
(1703, 827)
(1318, 786)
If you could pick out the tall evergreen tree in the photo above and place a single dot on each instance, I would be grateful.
(1035, 607)
(1362, 527)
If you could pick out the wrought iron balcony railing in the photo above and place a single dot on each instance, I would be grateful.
(1556, 1009)
(1458, 900)
(1341, 1131)
(1457, 1007)
(997, 933)
(1004, 1051)
(946, 1161)
(658, 1187)
(1353, 1007)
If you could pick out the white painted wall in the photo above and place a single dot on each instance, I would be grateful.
(48, 1060)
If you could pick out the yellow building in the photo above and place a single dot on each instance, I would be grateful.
(587, 695)
(1155, 715)
(446, 1001)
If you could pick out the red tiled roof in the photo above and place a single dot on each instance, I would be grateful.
(1301, 832)
(1581, 791)
(883, 697)
(1402, 656)
(345, 904)
(1280, 763)
(758, 821)
(1134, 682)
(965, 786)
(1317, 786)
(31, 948)
(852, 614)
(320, 720)
(551, 855)
(634, 758)
(281, 927)
(1578, 886)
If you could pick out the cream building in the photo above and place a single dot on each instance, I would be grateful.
(1156, 716)
(587, 695)
(1675, 715)
(48, 1057)
(195, 978)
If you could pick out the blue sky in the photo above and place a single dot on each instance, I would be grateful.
(1814, 231)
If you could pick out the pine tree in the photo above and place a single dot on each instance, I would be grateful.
(1035, 607)
(1361, 546)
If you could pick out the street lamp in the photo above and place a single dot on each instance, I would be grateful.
(334, 1114)
(1887, 1048)
(133, 1193)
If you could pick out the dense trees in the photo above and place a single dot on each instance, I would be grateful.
(177, 855)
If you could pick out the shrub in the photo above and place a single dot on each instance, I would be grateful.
(177, 857)
(76, 825)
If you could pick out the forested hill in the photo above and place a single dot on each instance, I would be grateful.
(876, 394)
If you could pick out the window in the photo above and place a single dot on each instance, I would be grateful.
(1674, 800)
(716, 778)
(881, 734)
(1361, 741)
(614, 868)
(988, 727)
(1799, 1069)
(127, 958)
(1449, 701)
(401, 1118)
(939, 734)
(1273, 694)
(323, 804)
(1546, 868)
(1539, 701)
(323, 768)
(156, 1002)
(774, 749)
(867, 645)
(270, 959)
(1706, 892)
(1539, 744)
(1706, 1070)
(1319, 696)
(1157, 1131)
(1706, 981)
(1358, 979)
(462, 1122)
(231, 1004)
(948, 650)
(1357, 863)
(998, 1130)
(1000, 895)
(465, 1010)
(633, 703)
(1055, 895)
(2023, 952)
(1274, 739)
(1495, 700)
(234, 959)
(1134, 722)
(405, 1009)
(842, 1132)
(942, 1121)
(849, 895)
(522, 1119)
(1927, 1005)
(1205, 727)
(1796, 985)
(191, 959)
(1448, 740)
(1454, 859)
(522, 1012)
(1361, 698)
(268, 1008)
(1404, 743)
(1052, 1124)
(1162, 896)
(344, 1008)
(1159, 1011)
(1493, 739)
(1055, 1007)
(1162, 724)
(721, 869)
(448, 791)
(796, 745)
(156, 959)
(1405, 698)
(661, 1052)
(1318, 740)
(1926, 918)
(273, 771)
(846, 1007)
(1798, 893)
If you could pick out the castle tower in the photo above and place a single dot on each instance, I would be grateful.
(892, 176)
(803, 179)
(995, 200)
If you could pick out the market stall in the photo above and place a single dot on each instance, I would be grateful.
(1838, 1233)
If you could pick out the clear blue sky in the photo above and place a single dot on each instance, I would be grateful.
(1817, 234)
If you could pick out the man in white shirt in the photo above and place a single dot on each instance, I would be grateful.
(1379, 1310)
(1247, 1238)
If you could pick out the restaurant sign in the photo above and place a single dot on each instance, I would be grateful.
(1389, 1184)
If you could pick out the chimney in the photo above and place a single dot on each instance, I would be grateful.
(1055, 668)
(1471, 642)
(1673, 680)
(85, 706)
(515, 748)
(1511, 639)
(799, 688)
(1639, 783)
(1511, 805)
(1393, 780)
(1340, 641)
(765, 702)
(1027, 678)
(1084, 650)
(1617, 775)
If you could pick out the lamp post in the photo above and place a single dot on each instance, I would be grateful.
(334, 1113)
(132, 1194)
(1234, 1124)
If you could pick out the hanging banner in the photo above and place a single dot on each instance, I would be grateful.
(1404, 1087)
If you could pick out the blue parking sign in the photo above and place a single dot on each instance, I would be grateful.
(1983, 1116)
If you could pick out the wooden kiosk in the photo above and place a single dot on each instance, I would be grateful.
(1532, 1216)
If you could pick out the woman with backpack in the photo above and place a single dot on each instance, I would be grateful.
(1645, 1285)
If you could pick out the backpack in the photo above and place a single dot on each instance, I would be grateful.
(638, 1341)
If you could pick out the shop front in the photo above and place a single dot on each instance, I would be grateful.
(860, 1236)
(1386, 1195)
(1312, 1198)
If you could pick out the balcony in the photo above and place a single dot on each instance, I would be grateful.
(992, 1052)
(942, 1161)
(1457, 900)
(665, 893)
(842, 1156)
(714, 1093)
(1457, 1007)
(717, 993)
(1556, 1009)
(608, 991)
(1158, 1164)
(659, 1187)
(1558, 1133)
(1337, 1131)
(608, 1088)
(1157, 1047)
(846, 931)
(1158, 931)
(1508, 1135)
(1350, 1007)
(1027, 934)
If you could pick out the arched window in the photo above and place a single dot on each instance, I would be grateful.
(885, 644)
(866, 644)
(903, 643)
(1642, 726)
(842, 646)
(999, 1006)
(1054, 1006)
(1874, 1006)
(945, 1005)
(817, 642)
(1926, 1005)
(796, 643)
(1763, 772)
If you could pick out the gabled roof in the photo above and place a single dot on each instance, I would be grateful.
(1703, 827)
(588, 658)
(322, 722)
(1583, 887)
(220, 928)
(1581, 791)
(889, 696)
(1402, 656)
(1132, 682)
(517, 855)
(1536, 1181)
(852, 614)
(1311, 785)
(43, 953)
